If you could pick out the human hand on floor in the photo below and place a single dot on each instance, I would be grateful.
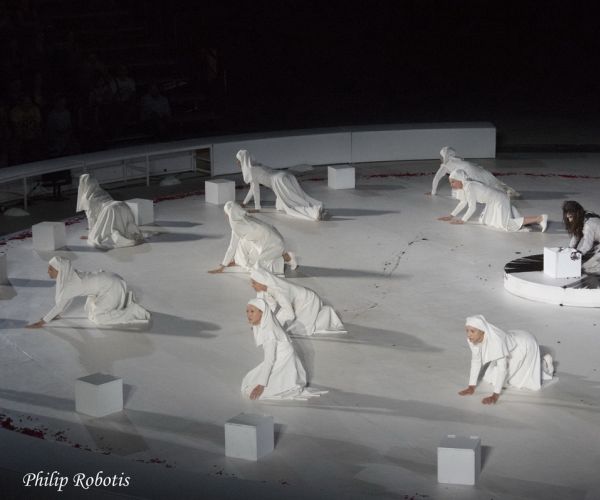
(468, 391)
(257, 392)
(37, 324)
(490, 400)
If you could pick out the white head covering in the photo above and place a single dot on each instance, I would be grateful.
(66, 275)
(269, 328)
(264, 277)
(234, 211)
(447, 154)
(459, 175)
(244, 158)
(87, 185)
(496, 344)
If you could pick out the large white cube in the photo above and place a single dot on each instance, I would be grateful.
(219, 191)
(459, 459)
(249, 436)
(49, 236)
(3, 269)
(562, 262)
(143, 210)
(341, 177)
(98, 395)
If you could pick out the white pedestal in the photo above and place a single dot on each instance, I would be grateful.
(49, 236)
(219, 191)
(3, 270)
(279, 266)
(342, 177)
(558, 263)
(143, 210)
(249, 436)
(459, 459)
(98, 395)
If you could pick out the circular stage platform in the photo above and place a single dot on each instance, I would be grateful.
(525, 277)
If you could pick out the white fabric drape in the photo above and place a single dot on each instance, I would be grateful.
(111, 223)
(299, 309)
(451, 162)
(281, 372)
(498, 212)
(513, 357)
(290, 197)
(108, 299)
(252, 241)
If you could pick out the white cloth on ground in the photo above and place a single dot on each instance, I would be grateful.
(290, 197)
(108, 299)
(498, 212)
(299, 309)
(451, 162)
(252, 241)
(281, 373)
(513, 357)
(111, 223)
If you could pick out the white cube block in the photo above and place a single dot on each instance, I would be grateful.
(49, 235)
(219, 191)
(98, 395)
(459, 459)
(278, 266)
(249, 436)
(3, 269)
(143, 210)
(341, 177)
(562, 263)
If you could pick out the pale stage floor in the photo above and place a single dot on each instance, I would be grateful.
(403, 283)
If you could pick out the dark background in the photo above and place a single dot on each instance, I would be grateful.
(233, 67)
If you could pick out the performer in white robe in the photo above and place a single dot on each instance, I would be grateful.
(108, 300)
(290, 196)
(111, 223)
(584, 229)
(252, 242)
(513, 357)
(300, 310)
(451, 162)
(498, 212)
(281, 374)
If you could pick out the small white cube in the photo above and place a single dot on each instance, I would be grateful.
(219, 191)
(341, 177)
(459, 459)
(249, 436)
(3, 269)
(143, 210)
(562, 263)
(49, 236)
(98, 395)
(279, 266)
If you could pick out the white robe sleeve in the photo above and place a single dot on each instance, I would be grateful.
(253, 192)
(231, 249)
(442, 171)
(501, 372)
(469, 200)
(286, 310)
(68, 295)
(269, 348)
(475, 364)
(573, 242)
(587, 242)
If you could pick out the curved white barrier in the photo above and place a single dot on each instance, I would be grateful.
(278, 150)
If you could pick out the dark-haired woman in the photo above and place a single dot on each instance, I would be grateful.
(584, 229)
